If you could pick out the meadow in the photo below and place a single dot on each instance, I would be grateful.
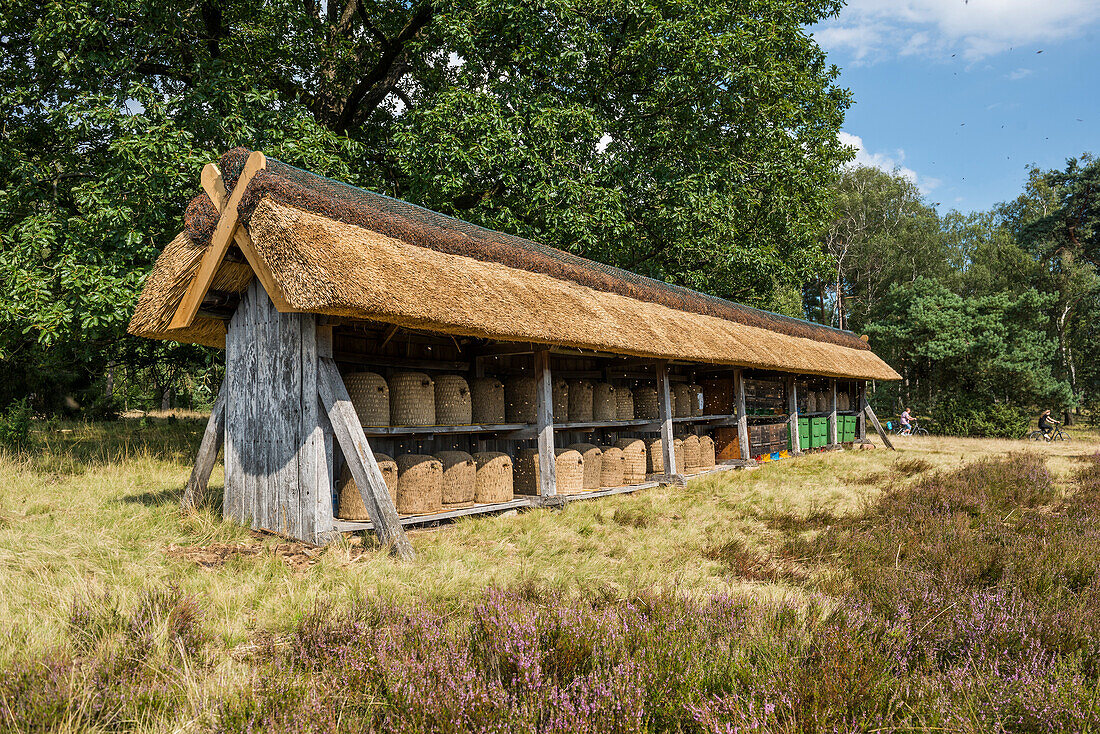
(952, 585)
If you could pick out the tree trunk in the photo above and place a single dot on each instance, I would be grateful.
(166, 399)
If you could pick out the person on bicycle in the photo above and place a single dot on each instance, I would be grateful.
(906, 425)
(1047, 424)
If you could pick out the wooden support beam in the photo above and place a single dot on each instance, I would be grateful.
(223, 235)
(336, 402)
(878, 427)
(832, 412)
(664, 405)
(861, 418)
(212, 439)
(742, 416)
(792, 409)
(544, 425)
(214, 186)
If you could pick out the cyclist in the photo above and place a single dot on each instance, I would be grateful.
(1047, 424)
(906, 425)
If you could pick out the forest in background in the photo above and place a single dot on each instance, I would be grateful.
(696, 143)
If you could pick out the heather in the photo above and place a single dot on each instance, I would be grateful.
(954, 597)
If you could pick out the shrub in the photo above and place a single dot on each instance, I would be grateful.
(981, 418)
(15, 426)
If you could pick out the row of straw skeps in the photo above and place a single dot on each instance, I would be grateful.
(416, 399)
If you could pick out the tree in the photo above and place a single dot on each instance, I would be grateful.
(694, 142)
(1057, 220)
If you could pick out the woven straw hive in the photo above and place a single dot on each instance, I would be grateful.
(681, 400)
(412, 399)
(697, 401)
(581, 396)
(459, 472)
(370, 397)
(560, 389)
(592, 464)
(487, 400)
(812, 403)
(519, 397)
(843, 401)
(633, 459)
(706, 452)
(568, 469)
(419, 484)
(624, 404)
(690, 443)
(493, 479)
(645, 403)
(656, 460)
(611, 466)
(453, 403)
(351, 501)
(604, 405)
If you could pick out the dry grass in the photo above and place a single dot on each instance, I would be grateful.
(95, 510)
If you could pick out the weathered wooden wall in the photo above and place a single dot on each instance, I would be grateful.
(277, 447)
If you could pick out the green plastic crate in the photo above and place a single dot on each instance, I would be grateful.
(803, 435)
(819, 426)
(817, 441)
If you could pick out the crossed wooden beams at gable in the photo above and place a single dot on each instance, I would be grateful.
(229, 231)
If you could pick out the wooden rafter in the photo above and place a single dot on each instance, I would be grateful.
(224, 234)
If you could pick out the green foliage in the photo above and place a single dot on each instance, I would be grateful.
(975, 416)
(15, 426)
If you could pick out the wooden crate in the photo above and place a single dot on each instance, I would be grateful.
(718, 396)
(727, 446)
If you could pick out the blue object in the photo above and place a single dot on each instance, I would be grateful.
(889, 425)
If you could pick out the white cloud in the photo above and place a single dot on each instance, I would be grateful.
(890, 163)
(1018, 74)
(603, 142)
(973, 29)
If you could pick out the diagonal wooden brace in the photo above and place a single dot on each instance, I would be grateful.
(336, 403)
(214, 186)
(223, 235)
(212, 439)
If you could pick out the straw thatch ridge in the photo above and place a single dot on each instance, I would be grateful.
(418, 226)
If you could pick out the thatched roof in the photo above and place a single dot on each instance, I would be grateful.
(337, 250)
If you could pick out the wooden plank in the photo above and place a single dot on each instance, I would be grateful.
(413, 520)
(878, 427)
(432, 430)
(742, 417)
(234, 471)
(364, 469)
(219, 243)
(861, 419)
(214, 186)
(664, 412)
(314, 469)
(792, 409)
(544, 425)
(832, 413)
(212, 439)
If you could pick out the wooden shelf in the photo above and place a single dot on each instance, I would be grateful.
(424, 430)
(345, 526)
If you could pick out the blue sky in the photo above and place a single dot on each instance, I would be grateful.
(956, 95)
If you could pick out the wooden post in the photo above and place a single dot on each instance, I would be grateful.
(276, 457)
(832, 412)
(664, 404)
(212, 439)
(861, 419)
(792, 409)
(742, 416)
(878, 427)
(336, 402)
(544, 417)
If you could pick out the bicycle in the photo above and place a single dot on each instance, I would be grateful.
(1056, 434)
(911, 430)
